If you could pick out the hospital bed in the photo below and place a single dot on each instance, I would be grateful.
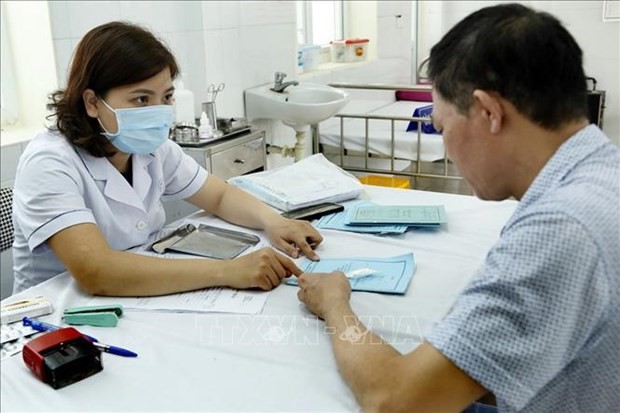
(370, 136)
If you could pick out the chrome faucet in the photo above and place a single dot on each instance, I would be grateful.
(279, 86)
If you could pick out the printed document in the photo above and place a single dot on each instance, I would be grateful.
(338, 221)
(405, 215)
(210, 300)
(390, 275)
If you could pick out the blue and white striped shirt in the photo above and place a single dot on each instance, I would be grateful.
(539, 325)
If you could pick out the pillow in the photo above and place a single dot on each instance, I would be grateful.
(422, 112)
(418, 96)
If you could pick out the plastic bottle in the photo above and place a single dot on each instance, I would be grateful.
(183, 104)
(205, 131)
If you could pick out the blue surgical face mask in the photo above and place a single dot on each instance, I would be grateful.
(140, 130)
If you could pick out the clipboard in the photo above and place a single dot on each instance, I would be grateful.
(206, 241)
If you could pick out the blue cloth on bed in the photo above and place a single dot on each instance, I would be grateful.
(422, 112)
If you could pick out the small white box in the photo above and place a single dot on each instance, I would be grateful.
(349, 50)
(33, 307)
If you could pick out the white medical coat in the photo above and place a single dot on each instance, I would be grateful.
(58, 185)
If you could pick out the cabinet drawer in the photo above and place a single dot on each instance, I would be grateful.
(239, 159)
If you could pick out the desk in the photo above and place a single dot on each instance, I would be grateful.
(281, 359)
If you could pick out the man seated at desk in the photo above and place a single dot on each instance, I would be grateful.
(538, 327)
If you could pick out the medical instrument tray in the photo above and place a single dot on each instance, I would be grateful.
(206, 241)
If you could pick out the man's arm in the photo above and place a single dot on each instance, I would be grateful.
(381, 378)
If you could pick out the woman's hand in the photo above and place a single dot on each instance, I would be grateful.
(292, 236)
(262, 269)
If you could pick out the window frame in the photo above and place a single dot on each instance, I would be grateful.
(307, 20)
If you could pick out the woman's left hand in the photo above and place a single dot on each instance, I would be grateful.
(292, 236)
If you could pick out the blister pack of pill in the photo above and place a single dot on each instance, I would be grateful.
(13, 337)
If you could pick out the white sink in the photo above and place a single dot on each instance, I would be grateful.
(297, 106)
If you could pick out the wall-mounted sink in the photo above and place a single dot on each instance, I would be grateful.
(297, 106)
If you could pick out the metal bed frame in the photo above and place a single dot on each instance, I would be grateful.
(417, 170)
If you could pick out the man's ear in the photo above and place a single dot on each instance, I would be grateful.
(90, 103)
(491, 109)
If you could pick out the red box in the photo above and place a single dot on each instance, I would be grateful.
(62, 357)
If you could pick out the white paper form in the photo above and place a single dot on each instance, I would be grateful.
(210, 300)
(393, 273)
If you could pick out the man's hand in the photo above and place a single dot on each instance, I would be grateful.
(262, 269)
(324, 293)
(292, 236)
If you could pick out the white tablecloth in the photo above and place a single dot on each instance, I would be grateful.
(281, 359)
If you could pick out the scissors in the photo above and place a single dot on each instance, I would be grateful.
(214, 91)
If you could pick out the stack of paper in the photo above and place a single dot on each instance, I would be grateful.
(369, 218)
(311, 181)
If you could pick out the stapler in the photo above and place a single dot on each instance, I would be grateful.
(98, 315)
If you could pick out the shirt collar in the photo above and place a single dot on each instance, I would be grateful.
(576, 148)
(115, 185)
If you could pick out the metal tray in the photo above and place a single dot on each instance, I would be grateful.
(207, 241)
(204, 142)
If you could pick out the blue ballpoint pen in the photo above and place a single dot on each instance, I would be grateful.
(43, 326)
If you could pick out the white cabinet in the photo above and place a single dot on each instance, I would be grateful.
(227, 158)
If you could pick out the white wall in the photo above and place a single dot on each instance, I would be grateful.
(240, 43)
(599, 41)
(30, 45)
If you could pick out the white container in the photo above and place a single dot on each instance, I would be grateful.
(205, 131)
(183, 104)
(349, 50)
(310, 57)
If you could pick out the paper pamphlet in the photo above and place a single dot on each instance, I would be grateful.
(393, 274)
(406, 215)
(338, 221)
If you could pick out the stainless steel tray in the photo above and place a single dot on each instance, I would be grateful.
(206, 241)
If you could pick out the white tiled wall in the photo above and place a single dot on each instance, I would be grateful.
(178, 23)
(240, 43)
(599, 41)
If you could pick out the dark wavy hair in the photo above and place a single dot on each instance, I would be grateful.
(111, 55)
(526, 56)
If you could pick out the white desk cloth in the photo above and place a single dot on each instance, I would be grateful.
(279, 360)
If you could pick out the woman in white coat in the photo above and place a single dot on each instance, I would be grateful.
(91, 187)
